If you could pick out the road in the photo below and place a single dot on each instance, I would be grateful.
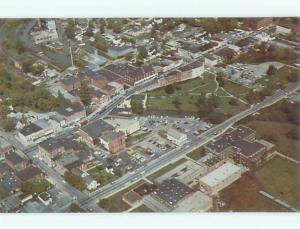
(205, 137)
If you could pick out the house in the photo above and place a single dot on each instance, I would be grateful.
(113, 141)
(45, 198)
(92, 132)
(72, 112)
(15, 161)
(176, 136)
(70, 83)
(90, 183)
(210, 60)
(258, 23)
(30, 173)
(220, 178)
(49, 150)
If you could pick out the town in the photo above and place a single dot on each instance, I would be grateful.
(149, 115)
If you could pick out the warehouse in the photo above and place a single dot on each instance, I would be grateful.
(127, 126)
(220, 178)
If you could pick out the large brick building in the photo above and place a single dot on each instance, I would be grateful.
(240, 145)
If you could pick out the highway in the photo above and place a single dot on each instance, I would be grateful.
(208, 135)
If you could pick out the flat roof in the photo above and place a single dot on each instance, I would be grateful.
(220, 174)
(172, 191)
(96, 128)
(70, 109)
(30, 129)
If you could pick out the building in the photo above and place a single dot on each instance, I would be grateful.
(186, 72)
(113, 141)
(191, 50)
(240, 145)
(196, 202)
(15, 161)
(5, 147)
(90, 183)
(70, 83)
(120, 51)
(71, 112)
(127, 126)
(170, 192)
(138, 98)
(30, 173)
(258, 23)
(92, 132)
(9, 183)
(220, 178)
(210, 60)
(49, 150)
(176, 136)
(45, 198)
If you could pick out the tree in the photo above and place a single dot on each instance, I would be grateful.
(141, 52)
(271, 70)
(20, 48)
(216, 117)
(75, 180)
(70, 31)
(85, 93)
(220, 79)
(294, 134)
(136, 106)
(169, 89)
(177, 103)
(293, 77)
(233, 102)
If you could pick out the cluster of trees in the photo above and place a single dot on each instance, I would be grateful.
(70, 29)
(271, 70)
(142, 53)
(221, 79)
(85, 93)
(258, 96)
(28, 66)
(263, 53)
(38, 187)
(116, 24)
(37, 97)
(101, 44)
(5, 122)
(136, 107)
(75, 180)
(169, 89)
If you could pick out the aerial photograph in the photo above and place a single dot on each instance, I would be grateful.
(150, 115)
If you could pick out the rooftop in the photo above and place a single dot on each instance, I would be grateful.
(28, 173)
(96, 128)
(14, 158)
(172, 191)
(220, 174)
(51, 144)
(70, 109)
(30, 129)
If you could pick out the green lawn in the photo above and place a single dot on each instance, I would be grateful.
(281, 178)
(279, 78)
(100, 175)
(36, 187)
(165, 169)
(236, 90)
(196, 154)
(189, 91)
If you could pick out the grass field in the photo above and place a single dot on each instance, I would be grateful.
(165, 169)
(243, 196)
(196, 154)
(284, 144)
(189, 91)
(115, 203)
(279, 78)
(281, 178)
(100, 175)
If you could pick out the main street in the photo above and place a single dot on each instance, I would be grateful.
(205, 137)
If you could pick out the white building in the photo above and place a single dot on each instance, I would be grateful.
(127, 126)
(220, 178)
(283, 30)
(90, 183)
(176, 137)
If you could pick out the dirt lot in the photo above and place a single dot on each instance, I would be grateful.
(243, 196)
(142, 208)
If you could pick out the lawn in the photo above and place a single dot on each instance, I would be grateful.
(283, 144)
(188, 92)
(243, 196)
(281, 178)
(279, 78)
(115, 203)
(196, 154)
(166, 169)
(36, 187)
(236, 90)
(101, 176)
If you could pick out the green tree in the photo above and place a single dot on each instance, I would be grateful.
(169, 89)
(271, 70)
(141, 53)
(75, 180)
(136, 107)
(85, 93)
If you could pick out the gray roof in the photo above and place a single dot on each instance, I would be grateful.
(28, 173)
(190, 66)
(30, 129)
(172, 191)
(69, 80)
(96, 128)
(3, 143)
(111, 135)
(175, 133)
(3, 167)
(70, 109)
(14, 158)
(50, 144)
(9, 182)
(248, 148)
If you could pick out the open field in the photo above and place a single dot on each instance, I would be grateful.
(283, 144)
(100, 175)
(115, 203)
(279, 79)
(196, 154)
(165, 169)
(243, 196)
(281, 178)
(188, 93)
